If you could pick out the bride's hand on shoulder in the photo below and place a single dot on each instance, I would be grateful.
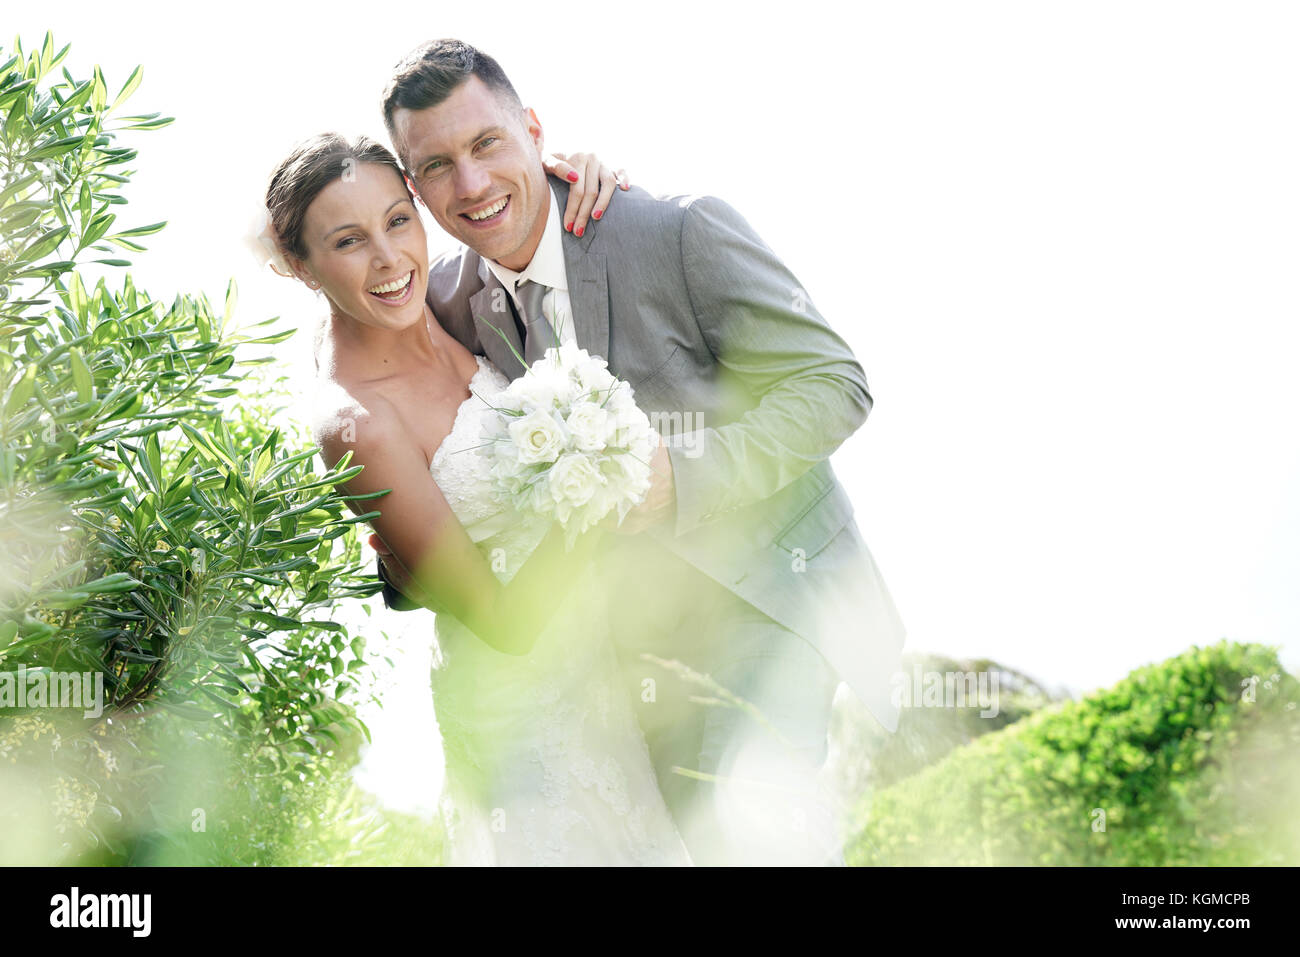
(592, 189)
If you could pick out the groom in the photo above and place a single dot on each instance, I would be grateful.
(744, 563)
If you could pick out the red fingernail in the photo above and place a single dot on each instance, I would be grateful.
(568, 227)
(579, 232)
(597, 214)
(573, 176)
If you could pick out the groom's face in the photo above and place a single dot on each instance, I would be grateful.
(476, 161)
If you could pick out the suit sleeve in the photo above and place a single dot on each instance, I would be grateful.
(761, 327)
(393, 598)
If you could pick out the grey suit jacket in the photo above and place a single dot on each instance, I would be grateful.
(753, 391)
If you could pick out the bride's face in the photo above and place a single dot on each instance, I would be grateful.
(367, 248)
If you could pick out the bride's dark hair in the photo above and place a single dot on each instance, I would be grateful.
(300, 177)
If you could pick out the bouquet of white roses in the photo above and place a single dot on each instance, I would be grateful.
(570, 443)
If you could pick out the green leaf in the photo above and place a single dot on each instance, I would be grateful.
(261, 465)
(131, 85)
(272, 339)
(152, 124)
(206, 445)
(54, 148)
(140, 230)
(81, 376)
(47, 53)
(44, 245)
(98, 226)
(232, 299)
(117, 582)
(77, 298)
(17, 187)
(22, 391)
(108, 331)
(152, 460)
(128, 408)
(99, 97)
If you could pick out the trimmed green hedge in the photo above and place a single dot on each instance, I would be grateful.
(1174, 765)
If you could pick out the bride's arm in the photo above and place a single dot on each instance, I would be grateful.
(440, 566)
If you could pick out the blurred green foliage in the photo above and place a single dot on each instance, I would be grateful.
(156, 530)
(1192, 761)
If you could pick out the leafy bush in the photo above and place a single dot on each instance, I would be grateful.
(156, 532)
(1195, 760)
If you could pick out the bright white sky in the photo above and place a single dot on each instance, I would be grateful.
(1062, 239)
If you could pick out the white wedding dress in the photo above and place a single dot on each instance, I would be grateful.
(545, 761)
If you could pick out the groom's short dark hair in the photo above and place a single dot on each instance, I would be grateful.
(432, 71)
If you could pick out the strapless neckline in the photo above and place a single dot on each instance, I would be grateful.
(475, 401)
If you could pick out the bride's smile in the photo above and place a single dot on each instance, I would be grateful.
(394, 293)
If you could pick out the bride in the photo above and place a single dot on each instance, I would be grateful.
(545, 762)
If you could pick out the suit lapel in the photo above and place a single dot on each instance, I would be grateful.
(493, 317)
(589, 299)
(588, 283)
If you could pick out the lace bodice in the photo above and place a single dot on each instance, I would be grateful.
(545, 761)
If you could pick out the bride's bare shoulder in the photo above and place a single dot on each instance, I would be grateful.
(352, 418)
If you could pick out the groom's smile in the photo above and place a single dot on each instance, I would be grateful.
(476, 160)
(489, 214)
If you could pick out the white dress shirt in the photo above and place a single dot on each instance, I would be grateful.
(546, 267)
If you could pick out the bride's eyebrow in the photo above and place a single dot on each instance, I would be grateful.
(396, 202)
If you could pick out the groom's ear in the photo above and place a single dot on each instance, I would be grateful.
(534, 128)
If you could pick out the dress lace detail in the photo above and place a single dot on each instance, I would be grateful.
(545, 762)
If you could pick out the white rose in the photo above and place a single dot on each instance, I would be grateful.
(507, 402)
(620, 398)
(544, 386)
(574, 480)
(537, 496)
(538, 437)
(629, 428)
(630, 474)
(588, 425)
(592, 374)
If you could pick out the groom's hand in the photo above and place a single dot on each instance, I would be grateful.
(393, 570)
(660, 502)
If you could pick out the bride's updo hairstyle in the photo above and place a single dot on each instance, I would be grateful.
(304, 173)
